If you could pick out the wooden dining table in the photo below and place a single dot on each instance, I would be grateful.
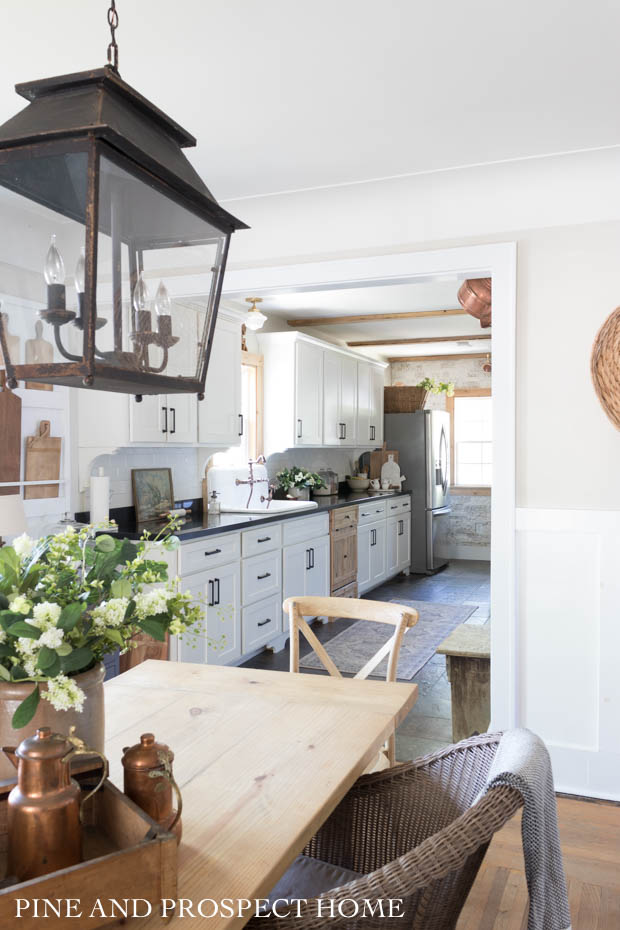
(262, 758)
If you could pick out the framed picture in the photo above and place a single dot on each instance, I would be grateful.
(152, 493)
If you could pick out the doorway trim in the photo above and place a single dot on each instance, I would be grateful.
(498, 261)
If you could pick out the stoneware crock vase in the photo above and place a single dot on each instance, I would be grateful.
(89, 725)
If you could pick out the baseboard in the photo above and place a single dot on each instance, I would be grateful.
(482, 553)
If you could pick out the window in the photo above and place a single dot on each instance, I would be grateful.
(251, 445)
(471, 439)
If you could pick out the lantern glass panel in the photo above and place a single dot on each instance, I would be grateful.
(41, 196)
(158, 266)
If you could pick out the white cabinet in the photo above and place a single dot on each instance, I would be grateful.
(371, 555)
(308, 394)
(162, 418)
(340, 399)
(219, 415)
(377, 383)
(398, 543)
(219, 592)
(305, 568)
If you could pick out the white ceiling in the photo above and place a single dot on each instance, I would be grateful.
(286, 95)
(396, 298)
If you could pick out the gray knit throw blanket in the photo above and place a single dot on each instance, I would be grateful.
(522, 762)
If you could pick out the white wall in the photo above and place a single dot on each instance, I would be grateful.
(564, 213)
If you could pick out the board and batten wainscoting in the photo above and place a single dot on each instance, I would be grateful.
(569, 643)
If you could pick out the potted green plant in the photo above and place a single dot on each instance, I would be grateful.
(298, 482)
(66, 601)
(434, 386)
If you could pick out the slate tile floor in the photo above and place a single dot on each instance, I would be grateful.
(428, 726)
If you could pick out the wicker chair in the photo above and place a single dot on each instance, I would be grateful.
(414, 832)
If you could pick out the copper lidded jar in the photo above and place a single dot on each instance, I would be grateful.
(149, 782)
(44, 832)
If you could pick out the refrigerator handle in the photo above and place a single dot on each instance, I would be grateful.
(443, 460)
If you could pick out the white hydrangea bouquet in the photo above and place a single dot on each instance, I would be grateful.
(68, 600)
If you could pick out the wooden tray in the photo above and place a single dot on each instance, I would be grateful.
(126, 855)
(43, 461)
(10, 435)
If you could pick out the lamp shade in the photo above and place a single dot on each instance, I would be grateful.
(12, 516)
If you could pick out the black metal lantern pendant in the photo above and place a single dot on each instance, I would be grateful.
(94, 173)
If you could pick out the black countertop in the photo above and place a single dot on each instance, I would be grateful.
(210, 524)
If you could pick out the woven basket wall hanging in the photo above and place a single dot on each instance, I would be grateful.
(605, 366)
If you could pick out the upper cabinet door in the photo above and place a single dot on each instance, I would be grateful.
(348, 399)
(219, 414)
(377, 382)
(333, 425)
(364, 403)
(308, 394)
(182, 418)
(149, 420)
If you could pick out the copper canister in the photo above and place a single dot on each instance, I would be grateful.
(149, 782)
(44, 832)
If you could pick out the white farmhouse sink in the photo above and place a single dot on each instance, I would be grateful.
(274, 507)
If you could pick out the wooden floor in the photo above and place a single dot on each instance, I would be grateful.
(590, 835)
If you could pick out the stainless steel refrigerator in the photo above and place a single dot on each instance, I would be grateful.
(423, 443)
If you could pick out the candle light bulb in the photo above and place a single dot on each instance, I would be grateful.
(54, 268)
(140, 298)
(80, 273)
(163, 304)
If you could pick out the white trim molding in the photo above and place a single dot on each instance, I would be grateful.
(498, 261)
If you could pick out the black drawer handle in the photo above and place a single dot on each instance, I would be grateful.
(367, 514)
(264, 539)
(266, 575)
(378, 510)
(264, 622)
(393, 506)
(213, 552)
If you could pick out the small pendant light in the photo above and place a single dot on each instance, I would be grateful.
(255, 319)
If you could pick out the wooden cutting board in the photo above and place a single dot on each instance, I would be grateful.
(42, 461)
(378, 459)
(10, 436)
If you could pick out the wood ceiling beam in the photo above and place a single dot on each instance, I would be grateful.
(438, 358)
(419, 340)
(371, 317)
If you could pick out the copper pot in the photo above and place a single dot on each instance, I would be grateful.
(149, 782)
(474, 296)
(43, 810)
(89, 724)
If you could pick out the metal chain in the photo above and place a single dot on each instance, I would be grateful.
(113, 46)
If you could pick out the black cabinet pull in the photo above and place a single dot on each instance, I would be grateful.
(366, 514)
(378, 510)
(241, 424)
(311, 558)
(266, 575)
(299, 429)
(342, 431)
(264, 539)
(211, 597)
(174, 420)
(372, 432)
(213, 551)
(401, 527)
(217, 596)
(393, 506)
(263, 622)
(165, 426)
(373, 537)
(308, 566)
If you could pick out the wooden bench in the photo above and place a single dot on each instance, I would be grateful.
(468, 664)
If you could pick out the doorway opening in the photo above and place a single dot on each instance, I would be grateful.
(475, 464)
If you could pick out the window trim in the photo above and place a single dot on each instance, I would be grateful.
(482, 490)
(253, 360)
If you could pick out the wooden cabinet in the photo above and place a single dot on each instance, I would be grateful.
(219, 592)
(308, 394)
(160, 418)
(340, 399)
(343, 532)
(219, 414)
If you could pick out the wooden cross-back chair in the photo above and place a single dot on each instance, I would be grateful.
(398, 616)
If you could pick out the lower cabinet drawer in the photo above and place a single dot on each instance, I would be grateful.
(303, 528)
(263, 539)
(261, 576)
(261, 622)
(209, 553)
(370, 512)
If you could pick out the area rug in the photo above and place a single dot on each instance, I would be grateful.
(351, 649)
